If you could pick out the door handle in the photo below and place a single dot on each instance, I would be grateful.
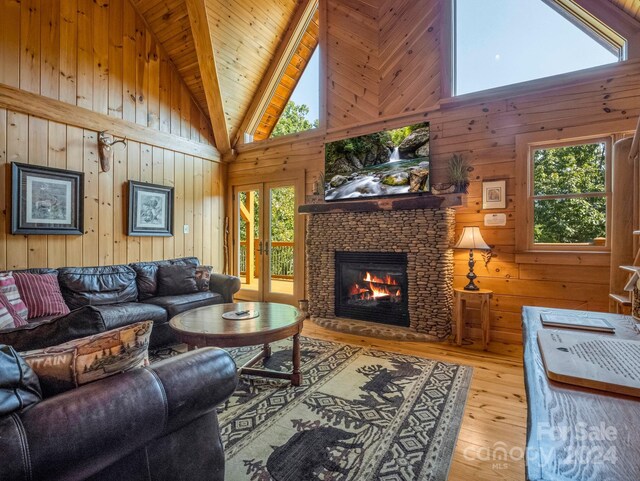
(266, 247)
(260, 247)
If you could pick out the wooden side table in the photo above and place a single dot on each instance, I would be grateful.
(460, 308)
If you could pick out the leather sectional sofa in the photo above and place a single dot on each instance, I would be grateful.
(114, 296)
(157, 422)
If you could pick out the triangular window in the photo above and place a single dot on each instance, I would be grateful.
(302, 111)
(295, 103)
(503, 42)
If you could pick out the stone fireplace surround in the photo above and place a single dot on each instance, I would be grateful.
(425, 234)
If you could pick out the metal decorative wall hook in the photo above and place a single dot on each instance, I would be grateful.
(105, 153)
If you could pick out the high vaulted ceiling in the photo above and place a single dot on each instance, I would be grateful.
(245, 35)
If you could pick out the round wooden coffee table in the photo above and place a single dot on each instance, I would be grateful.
(205, 326)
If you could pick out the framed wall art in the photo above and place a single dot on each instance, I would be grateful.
(150, 209)
(46, 201)
(494, 194)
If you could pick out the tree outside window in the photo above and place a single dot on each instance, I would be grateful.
(570, 194)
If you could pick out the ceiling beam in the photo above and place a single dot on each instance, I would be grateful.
(207, 64)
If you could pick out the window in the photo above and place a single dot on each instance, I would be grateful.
(302, 112)
(568, 195)
(291, 98)
(503, 42)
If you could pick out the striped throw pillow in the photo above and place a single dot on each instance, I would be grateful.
(41, 293)
(9, 318)
(10, 290)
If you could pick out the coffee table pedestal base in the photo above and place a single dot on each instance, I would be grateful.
(247, 368)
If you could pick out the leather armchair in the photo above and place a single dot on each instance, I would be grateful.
(154, 423)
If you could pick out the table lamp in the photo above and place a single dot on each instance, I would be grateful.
(471, 239)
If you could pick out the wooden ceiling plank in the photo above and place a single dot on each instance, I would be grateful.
(207, 62)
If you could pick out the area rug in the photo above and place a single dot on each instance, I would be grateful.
(360, 414)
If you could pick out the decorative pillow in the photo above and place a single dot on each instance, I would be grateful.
(10, 290)
(19, 386)
(69, 365)
(203, 276)
(9, 318)
(176, 280)
(41, 293)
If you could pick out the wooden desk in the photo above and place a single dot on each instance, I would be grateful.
(576, 433)
(483, 296)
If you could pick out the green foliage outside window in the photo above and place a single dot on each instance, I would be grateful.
(578, 169)
(282, 215)
(294, 120)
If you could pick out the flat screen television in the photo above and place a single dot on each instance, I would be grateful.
(386, 163)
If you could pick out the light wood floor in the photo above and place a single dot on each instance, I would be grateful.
(495, 415)
(278, 286)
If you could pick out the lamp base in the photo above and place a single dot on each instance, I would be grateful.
(471, 275)
(471, 286)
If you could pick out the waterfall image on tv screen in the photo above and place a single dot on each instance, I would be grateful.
(391, 162)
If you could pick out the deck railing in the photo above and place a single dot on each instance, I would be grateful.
(281, 255)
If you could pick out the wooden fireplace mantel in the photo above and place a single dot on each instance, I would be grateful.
(425, 201)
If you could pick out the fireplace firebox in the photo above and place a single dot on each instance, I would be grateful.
(372, 286)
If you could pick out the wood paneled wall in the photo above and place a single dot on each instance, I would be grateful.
(352, 61)
(380, 53)
(101, 57)
(483, 131)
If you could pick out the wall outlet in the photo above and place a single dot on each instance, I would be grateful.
(185, 229)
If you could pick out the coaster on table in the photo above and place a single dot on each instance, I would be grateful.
(241, 315)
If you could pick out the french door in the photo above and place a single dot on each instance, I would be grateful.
(267, 255)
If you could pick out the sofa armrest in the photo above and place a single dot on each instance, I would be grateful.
(78, 433)
(225, 285)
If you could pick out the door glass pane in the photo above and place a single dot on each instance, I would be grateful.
(248, 261)
(281, 216)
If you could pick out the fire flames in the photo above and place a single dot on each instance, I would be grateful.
(375, 287)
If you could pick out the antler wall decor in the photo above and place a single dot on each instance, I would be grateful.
(105, 153)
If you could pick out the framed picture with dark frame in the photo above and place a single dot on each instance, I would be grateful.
(46, 201)
(150, 209)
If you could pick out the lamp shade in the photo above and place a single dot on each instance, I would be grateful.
(471, 239)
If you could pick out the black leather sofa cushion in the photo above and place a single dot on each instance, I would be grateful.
(19, 385)
(147, 274)
(82, 286)
(176, 280)
(125, 313)
(82, 322)
(177, 304)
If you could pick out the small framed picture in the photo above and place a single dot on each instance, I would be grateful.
(150, 210)
(494, 194)
(46, 201)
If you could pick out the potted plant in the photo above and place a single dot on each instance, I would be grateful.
(459, 169)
